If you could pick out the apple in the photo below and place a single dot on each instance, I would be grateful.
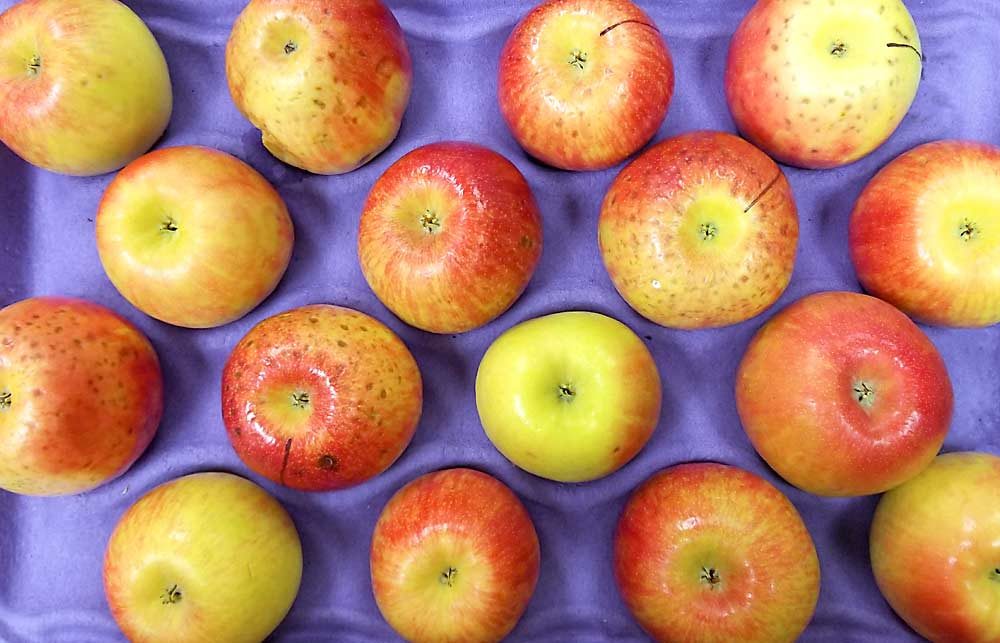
(822, 84)
(570, 397)
(709, 552)
(320, 398)
(81, 396)
(84, 87)
(205, 557)
(584, 84)
(843, 395)
(326, 83)
(699, 231)
(925, 236)
(193, 236)
(449, 237)
(454, 559)
(935, 549)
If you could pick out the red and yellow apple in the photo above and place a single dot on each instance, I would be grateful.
(320, 398)
(570, 397)
(205, 558)
(699, 231)
(935, 549)
(822, 84)
(80, 396)
(925, 234)
(84, 87)
(843, 395)
(193, 236)
(708, 553)
(326, 83)
(449, 237)
(584, 84)
(454, 559)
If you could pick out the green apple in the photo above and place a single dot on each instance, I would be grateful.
(570, 397)
(206, 558)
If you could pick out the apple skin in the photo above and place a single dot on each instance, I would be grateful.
(449, 237)
(326, 82)
(362, 398)
(935, 549)
(230, 243)
(922, 234)
(570, 397)
(84, 87)
(712, 553)
(699, 231)
(867, 55)
(454, 559)
(843, 395)
(587, 114)
(204, 558)
(81, 396)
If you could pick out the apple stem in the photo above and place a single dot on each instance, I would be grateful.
(284, 460)
(625, 22)
(171, 596)
(892, 45)
(34, 65)
(5, 399)
(448, 577)
(767, 188)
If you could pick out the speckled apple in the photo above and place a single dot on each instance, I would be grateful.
(454, 559)
(699, 231)
(843, 395)
(326, 83)
(81, 396)
(822, 84)
(84, 87)
(584, 84)
(935, 549)
(209, 557)
(925, 234)
(449, 237)
(709, 553)
(320, 398)
(193, 236)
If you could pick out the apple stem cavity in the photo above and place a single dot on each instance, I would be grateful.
(5, 400)
(711, 577)
(625, 22)
(171, 596)
(566, 392)
(578, 58)
(34, 65)
(290, 48)
(447, 577)
(864, 394)
(968, 230)
(430, 222)
(767, 188)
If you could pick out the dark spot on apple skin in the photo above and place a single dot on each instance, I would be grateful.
(327, 462)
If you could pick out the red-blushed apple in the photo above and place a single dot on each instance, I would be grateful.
(822, 84)
(81, 396)
(571, 396)
(935, 549)
(709, 553)
(84, 87)
(454, 559)
(320, 398)
(925, 234)
(193, 236)
(843, 395)
(584, 84)
(206, 558)
(699, 231)
(326, 82)
(449, 237)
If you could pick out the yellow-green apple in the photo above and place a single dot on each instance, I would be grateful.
(699, 231)
(193, 236)
(925, 234)
(584, 84)
(822, 84)
(80, 396)
(843, 395)
(320, 397)
(326, 82)
(205, 558)
(708, 553)
(454, 559)
(935, 549)
(449, 237)
(571, 396)
(84, 88)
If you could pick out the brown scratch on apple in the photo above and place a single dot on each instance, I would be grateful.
(763, 192)
(625, 22)
(284, 461)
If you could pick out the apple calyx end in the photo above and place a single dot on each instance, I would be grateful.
(995, 574)
(447, 577)
(864, 393)
(6, 399)
(430, 222)
(708, 231)
(578, 58)
(34, 66)
(291, 47)
(566, 393)
(300, 400)
(710, 577)
(171, 596)
(168, 225)
(968, 230)
(838, 49)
